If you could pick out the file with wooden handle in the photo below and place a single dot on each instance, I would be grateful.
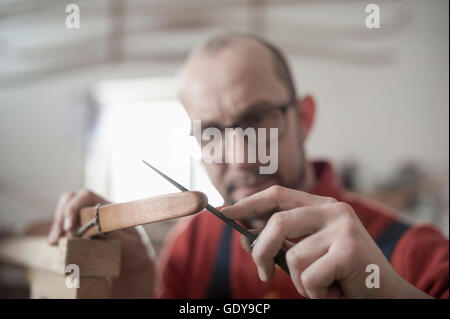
(149, 210)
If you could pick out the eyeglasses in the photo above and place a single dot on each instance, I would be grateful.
(271, 118)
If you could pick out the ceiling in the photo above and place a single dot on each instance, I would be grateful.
(35, 43)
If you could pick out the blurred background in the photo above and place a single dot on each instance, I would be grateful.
(82, 107)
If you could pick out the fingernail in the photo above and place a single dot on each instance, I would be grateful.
(67, 224)
(245, 243)
(262, 274)
(51, 237)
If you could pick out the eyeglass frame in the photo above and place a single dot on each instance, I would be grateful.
(283, 108)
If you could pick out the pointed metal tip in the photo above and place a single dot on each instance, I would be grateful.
(180, 187)
(146, 163)
(151, 166)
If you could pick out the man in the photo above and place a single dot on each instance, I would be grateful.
(332, 237)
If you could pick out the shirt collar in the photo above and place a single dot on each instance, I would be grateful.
(327, 181)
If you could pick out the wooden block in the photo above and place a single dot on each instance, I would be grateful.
(53, 286)
(144, 211)
(94, 257)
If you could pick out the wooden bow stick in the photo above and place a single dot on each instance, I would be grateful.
(105, 218)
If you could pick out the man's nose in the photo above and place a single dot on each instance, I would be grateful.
(238, 149)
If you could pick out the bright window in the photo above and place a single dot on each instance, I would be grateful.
(137, 120)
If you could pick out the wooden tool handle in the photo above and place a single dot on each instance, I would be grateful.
(149, 210)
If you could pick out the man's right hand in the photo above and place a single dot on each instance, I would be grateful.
(137, 277)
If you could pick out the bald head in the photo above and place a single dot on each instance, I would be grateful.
(218, 43)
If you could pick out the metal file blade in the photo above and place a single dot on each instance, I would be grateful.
(210, 208)
(280, 258)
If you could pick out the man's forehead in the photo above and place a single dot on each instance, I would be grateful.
(224, 84)
(242, 61)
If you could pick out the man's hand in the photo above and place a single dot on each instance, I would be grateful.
(136, 278)
(330, 251)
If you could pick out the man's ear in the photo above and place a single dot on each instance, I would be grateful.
(307, 111)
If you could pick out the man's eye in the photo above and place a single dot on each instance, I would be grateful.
(255, 120)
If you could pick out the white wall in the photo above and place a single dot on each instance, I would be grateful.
(385, 114)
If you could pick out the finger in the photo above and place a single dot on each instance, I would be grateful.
(70, 211)
(82, 199)
(319, 278)
(304, 253)
(289, 224)
(245, 241)
(275, 198)
(57, 228)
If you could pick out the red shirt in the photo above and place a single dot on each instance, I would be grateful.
(421, 255)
